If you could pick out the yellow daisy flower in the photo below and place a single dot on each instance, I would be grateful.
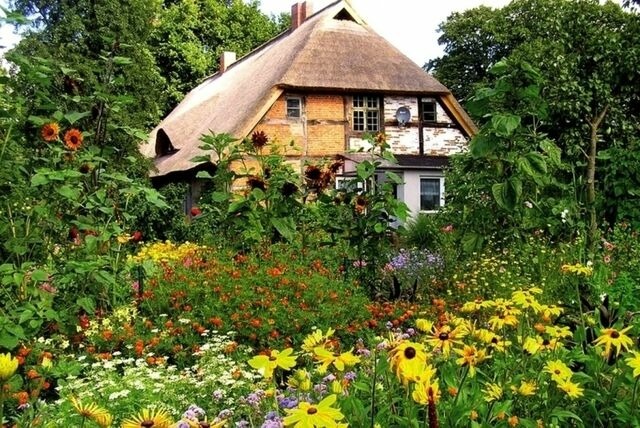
(526, 388)
(444, 338)
(8, 366)
(634, 363)
(526, 300)
(286, 360)
(499, 321)
(573, 390)
(308, 415)
(89, 411)
(492, 392)
(425, 390)
(407, 359)
(557, 331)
(470, 356)
(326, 358)
(315, 339)
(156, 418)
(533, 345)
(612, 338)
(558, 370)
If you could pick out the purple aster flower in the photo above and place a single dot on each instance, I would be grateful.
(350, 376)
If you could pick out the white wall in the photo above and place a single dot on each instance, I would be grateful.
(411, 189)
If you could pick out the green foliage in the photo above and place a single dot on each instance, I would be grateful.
(578, 84)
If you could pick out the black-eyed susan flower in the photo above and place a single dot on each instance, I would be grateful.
(424, 325)
(611, 339)
(499, 321)
(634, 363)
(558, 370)
(426, 391)
(470, 357)
(73, 139)
(526, 300)
(444, 338)
(573, 390)
(533, 345)
(406, 359)
(286, 360)
(8, 366)
(308, 415)
(557, 331)
(577, 269)
(492, 392)
(50, 132)
(149, 418)
(104, 420)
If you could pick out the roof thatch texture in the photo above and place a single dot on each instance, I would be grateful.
(327, 52)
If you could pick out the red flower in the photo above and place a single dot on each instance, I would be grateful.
(195, 211)
(259, 139)
(137, 236)
(73, 139)
(50, 132)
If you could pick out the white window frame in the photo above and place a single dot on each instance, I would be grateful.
(365, 109)
(299, 108)
(431, 177)
(343, 180)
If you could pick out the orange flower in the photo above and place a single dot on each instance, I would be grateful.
(50, 132)
(73, 139)
(22, 397)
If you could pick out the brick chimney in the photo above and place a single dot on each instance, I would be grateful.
(226, 59)
(300, 12)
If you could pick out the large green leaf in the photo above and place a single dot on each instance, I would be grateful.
(285, 227)
(505, 123)
(75, 116)
(508, 193)
(532, 164)
(481, 146)
(553, 151)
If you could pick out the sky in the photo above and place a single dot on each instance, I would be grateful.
(410, 25)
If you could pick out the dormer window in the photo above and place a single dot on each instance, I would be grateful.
(163, 144)
(294, 107)
(366, 113)
(429, 110)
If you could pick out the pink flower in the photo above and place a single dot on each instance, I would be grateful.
(359, 263)
(448, 228)
(48, 288)
(135, 286)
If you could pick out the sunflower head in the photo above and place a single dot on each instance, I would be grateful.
(147, 418)
(50, 131)
(73, 139)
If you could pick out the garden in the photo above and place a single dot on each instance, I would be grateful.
(292, 303)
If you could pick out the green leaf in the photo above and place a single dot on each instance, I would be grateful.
(365, 170)
(39, 179)
(8, 341)
(37, 120)
(285, 227)
(508, 193)
(472, 242)
(25, 315)
(39, 275)
(122, 60)
(87, 304)
(532, 164)
(481, 146)
(204, 174)
(69, 192)
(553, 151)
(75, 116)
(499, 68)
(504, 124)
(220, 196)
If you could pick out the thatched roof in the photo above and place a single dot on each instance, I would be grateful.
(333, 50)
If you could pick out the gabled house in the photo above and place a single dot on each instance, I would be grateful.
(323, 84)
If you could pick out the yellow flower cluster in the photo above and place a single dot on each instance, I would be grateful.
(577, 269)
(166, 251)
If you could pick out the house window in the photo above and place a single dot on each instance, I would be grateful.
(431, 193)
(350, 184)
(429, 110)
(294, 107)
(366, 113)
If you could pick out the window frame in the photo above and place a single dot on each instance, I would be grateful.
(441, 200)
(365, 110)
(434, 103)
(299, 108)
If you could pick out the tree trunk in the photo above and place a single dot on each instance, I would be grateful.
(592, 231)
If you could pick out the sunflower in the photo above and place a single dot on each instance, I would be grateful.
(573, 390)
(558, 370)
(267, 364)
(319, 415)
(444, 338)
(50, 132)
(634, 363)
(492, 392)
(156, 418)
(8, 366)
(610, 337)
(89, 411)
(407, 359)
(470, 356)
(73, 139)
